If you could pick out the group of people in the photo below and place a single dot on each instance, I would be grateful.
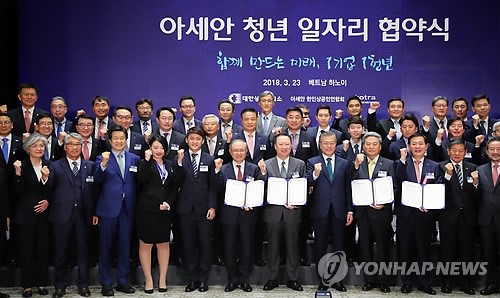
(141, 181)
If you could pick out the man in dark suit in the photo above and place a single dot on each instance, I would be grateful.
(375, 220)
(350, 148)
(239, 224)
(44, 125)
(146, 124)
(165, 118)
(196, 205)
(489, 214)
(324, 117)
(259, 146)
(4, 216)
(58, 110)
(136, 144)
(214, 144)
(456, 129)
(187, 105)
(460, 107)
(430, 126)
(24, 117)
(116, 173)
(91, 147)
(226, 114)
(71, 210)
(285, 218)
(12, 145)
(392, 149)
(354, 108)
(268, 123)
(395, 109)
(100, 107)
(331, 204)
(481, 123)
(415, 226)
(457, 222)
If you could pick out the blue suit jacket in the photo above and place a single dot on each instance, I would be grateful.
(115, 189)
(326, 193)
(136, 126)
(235, 127)
(262, 148)
(179, 125)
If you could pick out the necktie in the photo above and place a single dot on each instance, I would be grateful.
(189, 124)
(47, 152)
(295, 142)
(397, 127)
(101, 126)
(371, 167)
(194, 164)
(441, 125)
(59, 128)
(495, 173)
(283, 170)
(459, 175)
(356, 149)
(5, 149)
(121, 164)
(266, 125)
(482, 129)
(75, 168)
(145, 126)
(165, 135)
(329, 168)
(211, 146)
(85, 149)
(240, 174)
(250, 144)
(27, 120)
(417, 170)
(225, 126)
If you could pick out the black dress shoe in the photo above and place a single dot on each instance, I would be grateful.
(322, 287)
(467, 290)
(42, 291)
(294, 285)
(339, 286)
(59, 293)
(27, 293)
(246, 287)
(427, 290)
(446, 289)
(84, 292)
(490, 289)
(304, 262)
(230, 287)
(406, 289)
(107, 291)
(192, 286)
(259, 263)
(271, 285)
(384, 288)
(3, 295)
(368, 287)
(203, 287)
(127, 289)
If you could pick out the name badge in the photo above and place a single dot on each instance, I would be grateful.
(263, 147)
(470, 180)
(91, 179)
(306, 145)
(220, 152)
(382, 173)
(295, 175)
(249, 179)
(429, 175)
(468, 155)
(133, 169)
(203, 168)
(137, 147)
(174, 147)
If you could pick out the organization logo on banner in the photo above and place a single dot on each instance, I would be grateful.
(333, 267)
(235, 97)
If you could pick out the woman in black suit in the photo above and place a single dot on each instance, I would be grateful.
(157, 191)
(32, 183)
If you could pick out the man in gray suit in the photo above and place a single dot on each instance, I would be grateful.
(283, 218)
(489, 213)
(268, 123)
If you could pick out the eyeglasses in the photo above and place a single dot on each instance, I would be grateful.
(71, 144)
(144, 108)
(81, 125)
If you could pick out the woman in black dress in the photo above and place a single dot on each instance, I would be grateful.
(156, 195)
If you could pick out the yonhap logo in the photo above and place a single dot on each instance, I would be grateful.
(333, 267)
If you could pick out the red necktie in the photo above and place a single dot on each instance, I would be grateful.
(495, 174)
(86, 154)
(417, 170)
(27, 120)
(240, 175)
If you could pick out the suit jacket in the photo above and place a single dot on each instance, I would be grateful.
(383, 168)
(196, 194)
(433, 153)
(471, 132)
(221, 149)
(314, 132)
(231, 214)
(342, 126)
(275, 121)
(306, 145)
(349, 154)
(177, 141)
(29, 191)
(326, 193)
(67, 127)
(16, 152)
(153, 190)
(180, 127)
(98, 147)
(381, 127)
(115, 189)
(273, 213)
(457, 197)
(137, 144)
(262, 148)
(4, 198)
(489, 203)
(109, 124)
(66, 193)
(137, 127)
(56, 151)
(17, 117)
(473, 154)
(235, 127)
(432, 133)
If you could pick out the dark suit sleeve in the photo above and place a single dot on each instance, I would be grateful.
(371, 121)
(4, 198)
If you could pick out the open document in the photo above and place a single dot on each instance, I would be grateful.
(366, 192)
(280, 191)
(428, 196)
(244, 194)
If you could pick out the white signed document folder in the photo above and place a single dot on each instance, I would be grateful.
(366, 192)
(428, 196)
(281, 191)
(244, 194)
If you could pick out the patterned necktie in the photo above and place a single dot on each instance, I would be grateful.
(121, 164)
(250, 144)
(194, 164)
(266, 125)
(329, 169)
(47, 152)
(356, 149)
(459, 175)
(75, 168)
(59, 128)
(283, 170)
(240, 174)
(86, 154)
(5, 149)
(482, 129)
(295, 142)
(441, 125)
(27, 120)
(371, 167)
(417, 170)
(145, 127)
(397, 127)
(495, 174)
